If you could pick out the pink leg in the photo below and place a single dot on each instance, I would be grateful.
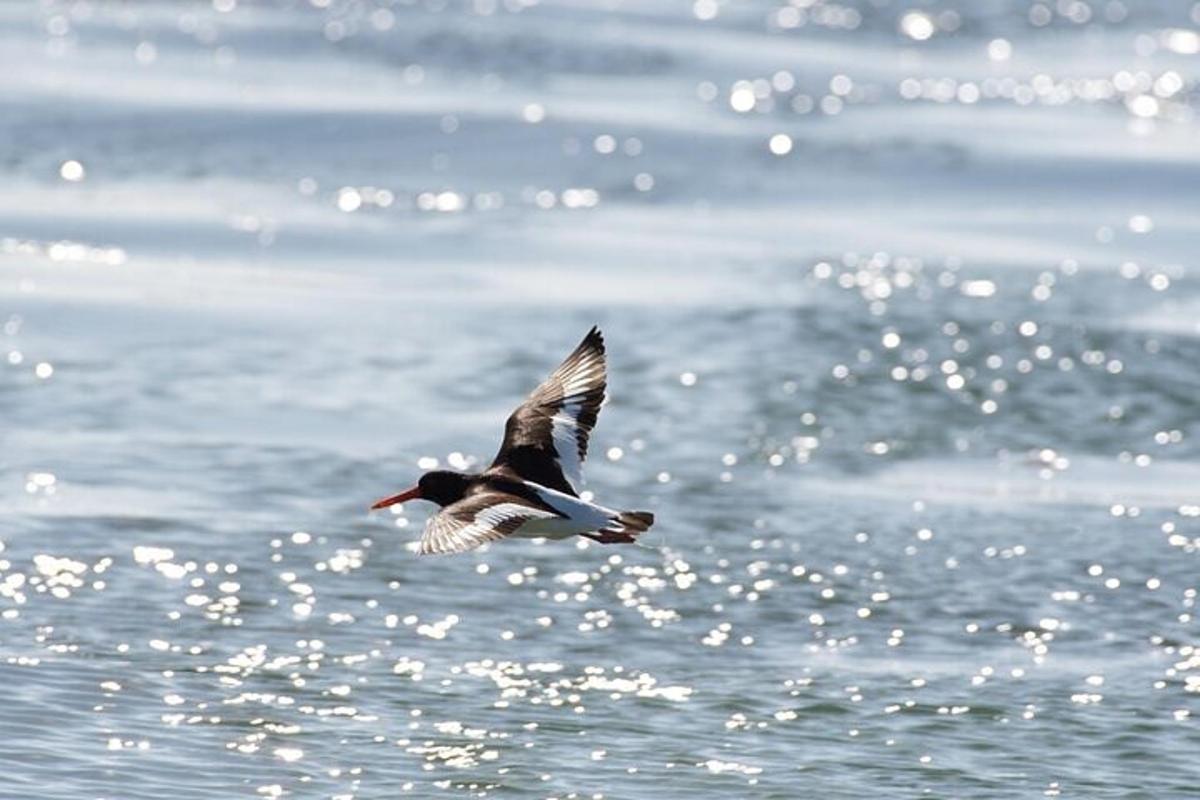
(608, 537)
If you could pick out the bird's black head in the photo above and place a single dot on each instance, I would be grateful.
(443, 486)
(440, 486)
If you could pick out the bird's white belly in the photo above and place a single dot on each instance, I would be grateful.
(578, 516)
(555, 528)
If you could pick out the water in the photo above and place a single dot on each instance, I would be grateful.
(903, 324)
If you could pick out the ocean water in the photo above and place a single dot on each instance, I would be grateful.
(903, 322)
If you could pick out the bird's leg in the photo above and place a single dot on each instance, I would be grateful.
(609, 537)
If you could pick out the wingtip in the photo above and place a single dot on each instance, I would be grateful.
(594, 337)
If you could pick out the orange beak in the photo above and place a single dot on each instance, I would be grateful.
(408, 494)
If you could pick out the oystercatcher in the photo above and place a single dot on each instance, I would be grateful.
(530, 488)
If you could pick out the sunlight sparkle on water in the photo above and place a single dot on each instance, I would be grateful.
(917, 445)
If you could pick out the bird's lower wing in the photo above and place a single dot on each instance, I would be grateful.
(475, 521)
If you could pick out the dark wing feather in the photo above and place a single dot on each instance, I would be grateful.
(477, 520)
(546, 438)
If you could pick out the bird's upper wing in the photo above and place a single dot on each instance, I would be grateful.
(477, 520)
(546, 438)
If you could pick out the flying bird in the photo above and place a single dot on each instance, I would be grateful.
(530, 489)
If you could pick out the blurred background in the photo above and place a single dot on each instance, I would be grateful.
(903, 326)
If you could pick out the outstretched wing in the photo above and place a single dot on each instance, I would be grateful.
(475, 521)
(546, 438)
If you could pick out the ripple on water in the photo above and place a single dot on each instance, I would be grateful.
(900, 360)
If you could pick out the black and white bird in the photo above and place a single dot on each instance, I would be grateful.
(530, 490)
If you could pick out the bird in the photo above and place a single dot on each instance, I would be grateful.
(531, 487)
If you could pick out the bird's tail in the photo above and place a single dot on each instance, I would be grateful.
(624, 528)
(635, 522)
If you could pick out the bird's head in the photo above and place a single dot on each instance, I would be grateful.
(439, 486)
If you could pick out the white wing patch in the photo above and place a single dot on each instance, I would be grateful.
(564, 426)
(576, 379)
(448, 533)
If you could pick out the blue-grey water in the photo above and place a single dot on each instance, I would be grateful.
(903, 318)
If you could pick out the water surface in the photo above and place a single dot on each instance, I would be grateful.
(903, 327)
